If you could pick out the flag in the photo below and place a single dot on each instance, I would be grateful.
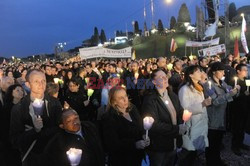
(211, 30)
(133, 55)
(173, 45)
(236, 49)
(243, 36)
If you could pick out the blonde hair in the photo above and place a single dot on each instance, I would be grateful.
(111, 99)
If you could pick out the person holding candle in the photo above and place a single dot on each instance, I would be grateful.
(76, 134)
(192, 98)
(133, 83)
(221, 94)
(164, 107)
(77, 99)
(122, 130)
(240, 109)
(30, 132)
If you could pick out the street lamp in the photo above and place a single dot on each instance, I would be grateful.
(168, 1)
(242, 15)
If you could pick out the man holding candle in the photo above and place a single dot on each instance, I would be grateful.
(240, 111)
(31, 130)
(74, 134)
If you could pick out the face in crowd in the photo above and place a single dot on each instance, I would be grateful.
(37, 83)
(160, 80)
(71, 122)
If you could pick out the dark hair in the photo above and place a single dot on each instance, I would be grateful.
(189, 70)
(74, 81)
(239, 66)
(52, 88)
(30, 72)
(9, 96)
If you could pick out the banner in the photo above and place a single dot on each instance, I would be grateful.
(212, 50)
(203, 44)
(243, 36)
(100, 52)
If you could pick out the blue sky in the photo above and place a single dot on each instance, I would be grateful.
(30, 27)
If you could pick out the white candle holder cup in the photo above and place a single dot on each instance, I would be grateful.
(74, 156)
(147, 124)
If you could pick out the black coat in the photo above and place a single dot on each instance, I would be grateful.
(240, 109)
(20, 117)
(120, 136)
(175, 81)
(163, 132)
(92, 153)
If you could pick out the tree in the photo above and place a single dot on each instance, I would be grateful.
(103, 36)
(172, 22)
(95, 37)
(160, 27)
(232, 11)
(184, 15)
(136, 27)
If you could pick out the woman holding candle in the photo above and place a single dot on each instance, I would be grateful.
(221, 94)
(192, 98)
(77, 99)
(164, 107)
(123, 131)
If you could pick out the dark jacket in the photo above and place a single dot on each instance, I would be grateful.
(163, 132)
(21, 137)
(90, 144)
(175, 81)
(240, 109)
(120, 136)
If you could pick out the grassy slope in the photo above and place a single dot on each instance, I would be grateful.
(156, 45)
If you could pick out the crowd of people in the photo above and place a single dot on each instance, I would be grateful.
(98, 106)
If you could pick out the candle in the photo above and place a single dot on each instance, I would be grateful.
(170, 66)
(147, 123)
(136, 75)
(56, 80)
(210, 85)
(38, 106)
(235, 83)
(87, 80)
(166, 102)
(90, 93)
(191, 57)
(74, 156)
(121, 71)
(247, 84)
(186, 116)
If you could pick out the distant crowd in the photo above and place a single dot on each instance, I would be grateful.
(99, 105)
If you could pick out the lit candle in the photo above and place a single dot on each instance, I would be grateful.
(90, 93)
(74, 156)
(170, 66)
(136, 75)
(210, 85)
(235, 83)
(186, 116)
(166, 102)
(87, 80)
(56, 80)
(147, 123)
(37, 106)
(121, 71)
(247, 84)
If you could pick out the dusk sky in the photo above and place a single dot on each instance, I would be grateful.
(29, 27)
